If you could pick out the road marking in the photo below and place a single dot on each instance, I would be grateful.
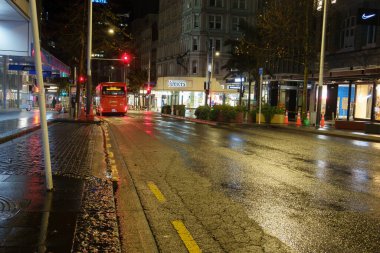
(110, 154)
(186, 237)
(156, 192)
(108, 146)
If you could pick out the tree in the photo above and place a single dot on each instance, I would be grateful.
(137, 79)
(287, 29)
(246, 56)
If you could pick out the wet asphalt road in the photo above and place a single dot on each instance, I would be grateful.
(314, 193)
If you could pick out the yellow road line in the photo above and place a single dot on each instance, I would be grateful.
(156, 192)
(186, 237)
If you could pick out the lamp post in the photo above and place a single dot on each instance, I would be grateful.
(321, 62)
(89, 54)
(210, 72)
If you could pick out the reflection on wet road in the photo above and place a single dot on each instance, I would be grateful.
(315, 193)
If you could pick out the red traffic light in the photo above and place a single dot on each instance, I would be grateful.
(125, 58)
(81, 79)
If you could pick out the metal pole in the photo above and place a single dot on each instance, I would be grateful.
(89, 53)
(260, 88)
(77, 94)
(321, 64)
(211, 72)
(40, 80)
(207, 84)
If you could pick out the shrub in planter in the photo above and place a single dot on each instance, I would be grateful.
(203, 112)
(225, 113)
(252, 114)
(180, 110)
(270, 111)
(166, 109)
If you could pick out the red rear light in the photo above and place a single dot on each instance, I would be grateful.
(101, 109)
(126, 108)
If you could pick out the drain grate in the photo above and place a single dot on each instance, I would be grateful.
(8, 208)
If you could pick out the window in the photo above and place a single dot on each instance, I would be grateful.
(188, 23)
(216, 67)
(371, 34)
(195, 43)
(363, 101)
(239, 4)
(377, 106)
(215, 3)
(236, 23)
(216, 43)
(196, 3)
(347, 34)
(194, 67)
(215, 22)
(196, 20)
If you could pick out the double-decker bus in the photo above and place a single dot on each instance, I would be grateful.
(111, 97)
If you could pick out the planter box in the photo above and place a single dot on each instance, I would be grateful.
(278, 119)
(262, 118)
(239, 118)
(350, 125)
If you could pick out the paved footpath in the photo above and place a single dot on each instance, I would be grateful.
(79, 215)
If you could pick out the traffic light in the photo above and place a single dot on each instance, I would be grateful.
(126, 58)
(148, 90)
(81, 79)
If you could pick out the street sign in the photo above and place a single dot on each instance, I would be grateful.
(261, 71)
(100, 1)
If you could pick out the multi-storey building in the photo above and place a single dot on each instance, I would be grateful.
(17, 70)
(352, 67)
(190, 34)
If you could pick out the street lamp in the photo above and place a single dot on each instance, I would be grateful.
(322, 60)
(210, 72)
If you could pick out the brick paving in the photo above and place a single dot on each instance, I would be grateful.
(74, 217)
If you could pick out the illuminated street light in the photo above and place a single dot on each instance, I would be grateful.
(321, 3)
(111, 31)
(210, 72)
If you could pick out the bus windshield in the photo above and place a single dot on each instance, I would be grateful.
(113, 90)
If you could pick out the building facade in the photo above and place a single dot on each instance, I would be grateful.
(352, 69)
(17, 70)
(191, 33)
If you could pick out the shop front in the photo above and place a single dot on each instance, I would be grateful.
(189, 91)
(356, 101)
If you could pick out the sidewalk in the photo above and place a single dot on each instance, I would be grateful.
(328, 130)
(79, 215)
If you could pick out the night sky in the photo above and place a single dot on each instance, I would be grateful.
(138, 8)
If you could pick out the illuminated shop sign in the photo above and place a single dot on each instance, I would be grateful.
(368, 16)
(177, 83)
(99, 1)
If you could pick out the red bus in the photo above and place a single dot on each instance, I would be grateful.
(111, 97)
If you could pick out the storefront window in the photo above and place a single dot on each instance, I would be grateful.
(363, 102)
(1, 81)
(377, 106)
(342, 101)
